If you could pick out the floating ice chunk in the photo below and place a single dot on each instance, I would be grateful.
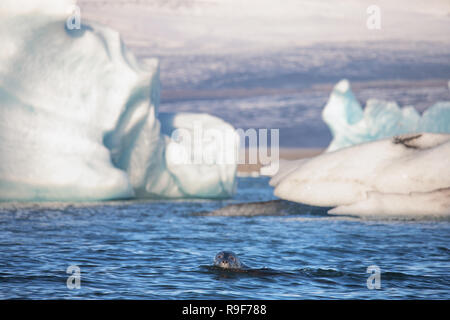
(59, 96)
(411, 168)
(350, 125)
(78, 115)
(201, 153)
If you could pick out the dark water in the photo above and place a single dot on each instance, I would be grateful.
(161, 250)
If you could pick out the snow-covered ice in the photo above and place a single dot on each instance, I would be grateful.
(403, 175)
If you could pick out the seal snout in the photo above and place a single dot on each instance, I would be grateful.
(224, 264)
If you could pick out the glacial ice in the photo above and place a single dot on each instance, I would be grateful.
(207, 140)
(403, 175)
(383, 160)
(79, 118)
(350, 124)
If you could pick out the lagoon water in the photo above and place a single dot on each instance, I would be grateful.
(163, 250)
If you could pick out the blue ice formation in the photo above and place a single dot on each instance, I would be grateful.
(350, 124)
(79, 116)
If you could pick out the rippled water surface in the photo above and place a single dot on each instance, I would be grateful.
(164, 250)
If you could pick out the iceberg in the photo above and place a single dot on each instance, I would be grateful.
(211, 152)
(383, 160)
(79, 116)
(350, 124)
(403, 175)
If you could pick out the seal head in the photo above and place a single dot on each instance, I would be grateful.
(227, 260)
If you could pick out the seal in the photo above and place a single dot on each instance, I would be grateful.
(228, 260)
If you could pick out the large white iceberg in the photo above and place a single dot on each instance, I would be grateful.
(404, 175)
(79, 118)
(350, 124)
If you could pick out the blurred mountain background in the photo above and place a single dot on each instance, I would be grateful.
(272, 64)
